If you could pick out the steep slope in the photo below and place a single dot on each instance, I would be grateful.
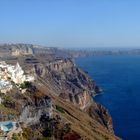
(81, 122)
(72, 84)
(59, 99)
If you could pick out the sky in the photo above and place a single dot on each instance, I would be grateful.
(71, 23)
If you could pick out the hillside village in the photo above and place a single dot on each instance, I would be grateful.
(8, 74)
(12, 73)
(12, 120)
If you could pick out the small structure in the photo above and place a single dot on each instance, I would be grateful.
(7, 126)
(5, 86)
(16, 73)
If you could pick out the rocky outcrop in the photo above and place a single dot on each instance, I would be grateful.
(100, 113)
(21, 49)
(7, 50)
(69, 81)
(35, 108)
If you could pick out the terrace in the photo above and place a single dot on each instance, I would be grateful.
(5, 86)
(7, 126)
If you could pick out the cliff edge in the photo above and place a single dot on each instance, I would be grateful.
(58, 104)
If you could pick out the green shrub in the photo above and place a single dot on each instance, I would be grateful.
(25, 85)
(2, 94)
(48, 133)
(43, 138)
(60, 109)
(26, 132)
(15, 137)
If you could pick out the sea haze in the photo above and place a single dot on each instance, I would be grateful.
(119, 76)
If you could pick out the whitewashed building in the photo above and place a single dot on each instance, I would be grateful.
(13, 73)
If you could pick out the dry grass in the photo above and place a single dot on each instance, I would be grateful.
(80, 121)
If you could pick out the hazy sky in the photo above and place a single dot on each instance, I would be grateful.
(71, 23)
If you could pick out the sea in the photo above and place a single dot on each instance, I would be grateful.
(119, 77)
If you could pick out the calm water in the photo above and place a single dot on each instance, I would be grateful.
(119, 76)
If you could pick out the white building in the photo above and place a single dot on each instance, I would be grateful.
(12, 73)
(5, 86)
(16, 73)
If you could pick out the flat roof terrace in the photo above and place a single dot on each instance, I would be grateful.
(4, 84)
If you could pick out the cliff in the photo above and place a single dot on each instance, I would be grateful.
(60, 100)
(7, 50)
(75, 86)
(69, 82)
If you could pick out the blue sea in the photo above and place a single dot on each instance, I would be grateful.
(119, 77)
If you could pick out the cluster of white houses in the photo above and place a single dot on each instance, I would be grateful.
(10, 73)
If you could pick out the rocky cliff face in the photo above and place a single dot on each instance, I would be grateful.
(69, 82)
(20, 50)
(61, 91)
(35, 108)
(75, 86)
(100, 113)
(7, 50)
